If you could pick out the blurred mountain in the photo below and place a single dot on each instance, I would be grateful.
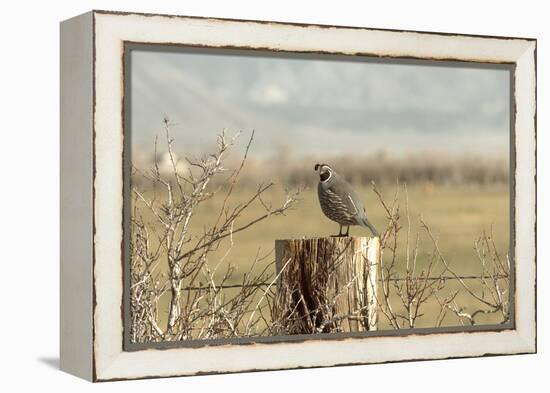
(318, 107)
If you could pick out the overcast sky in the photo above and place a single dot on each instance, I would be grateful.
(319, 107)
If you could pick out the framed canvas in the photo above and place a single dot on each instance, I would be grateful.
(245, 195)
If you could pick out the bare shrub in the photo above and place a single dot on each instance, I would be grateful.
(403, 296)
(491, 294)
(164, 241)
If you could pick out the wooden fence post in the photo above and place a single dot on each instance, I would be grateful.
(326, 285)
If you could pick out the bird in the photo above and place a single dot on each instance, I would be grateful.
(340, 202)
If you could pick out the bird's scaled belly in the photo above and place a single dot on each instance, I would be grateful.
(337, 212)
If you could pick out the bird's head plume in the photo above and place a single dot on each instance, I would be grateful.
(325, 172)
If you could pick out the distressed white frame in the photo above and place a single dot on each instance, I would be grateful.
(111, 30)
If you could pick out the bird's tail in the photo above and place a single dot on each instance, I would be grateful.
(366, 224)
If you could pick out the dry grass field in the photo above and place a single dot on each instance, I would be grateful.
(456, 216)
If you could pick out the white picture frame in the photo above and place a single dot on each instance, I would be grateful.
(92, 271)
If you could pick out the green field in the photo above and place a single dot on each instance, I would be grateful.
(455, 214)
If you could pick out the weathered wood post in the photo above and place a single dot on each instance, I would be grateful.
(326, 285)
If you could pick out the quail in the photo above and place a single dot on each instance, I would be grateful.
(339, 201)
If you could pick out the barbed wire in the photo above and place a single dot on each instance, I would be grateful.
(394, 279)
